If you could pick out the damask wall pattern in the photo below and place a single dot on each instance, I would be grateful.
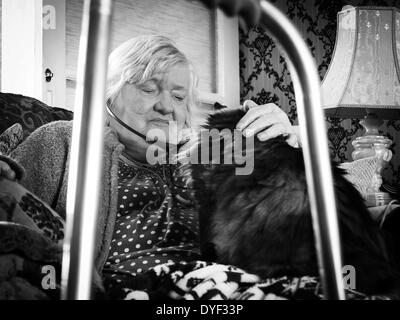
(264, 75)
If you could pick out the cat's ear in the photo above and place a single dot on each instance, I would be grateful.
(226, 118)
(218, 106)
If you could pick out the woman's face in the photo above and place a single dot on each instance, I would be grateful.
(153, 105)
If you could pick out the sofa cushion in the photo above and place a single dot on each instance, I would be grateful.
(29, 112)
(11, 138)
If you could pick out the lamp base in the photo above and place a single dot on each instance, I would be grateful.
(377, 199)
(372, 144)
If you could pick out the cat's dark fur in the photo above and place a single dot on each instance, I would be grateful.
(262, 222)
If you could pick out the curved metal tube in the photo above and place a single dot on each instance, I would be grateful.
(86, 154)
(85, 168)
(315, 147)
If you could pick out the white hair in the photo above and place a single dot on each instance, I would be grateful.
(138, 59)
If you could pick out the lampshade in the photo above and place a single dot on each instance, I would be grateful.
(364, 74)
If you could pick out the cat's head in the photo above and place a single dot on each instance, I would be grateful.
(248, 217)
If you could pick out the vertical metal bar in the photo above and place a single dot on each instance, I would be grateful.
(85, 168)
(315, 145)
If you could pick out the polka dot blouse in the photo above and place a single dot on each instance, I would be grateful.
(156, 222)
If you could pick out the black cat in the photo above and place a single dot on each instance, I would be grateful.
(261, 222)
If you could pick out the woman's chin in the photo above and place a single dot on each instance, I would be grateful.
(163, 135)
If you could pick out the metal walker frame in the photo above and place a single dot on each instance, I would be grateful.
(87, 148)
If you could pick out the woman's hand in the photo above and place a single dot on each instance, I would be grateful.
(267, 121)
(6, 171)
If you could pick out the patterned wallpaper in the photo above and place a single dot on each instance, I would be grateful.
(265, 77)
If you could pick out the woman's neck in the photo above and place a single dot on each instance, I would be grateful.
(135, 154)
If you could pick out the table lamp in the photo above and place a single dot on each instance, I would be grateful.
(363, 81)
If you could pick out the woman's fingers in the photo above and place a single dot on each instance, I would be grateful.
(293, 140)
(266, 121)
(249, 104)
(260, 124)
(272, 132)
(253, 113)
(6, 171)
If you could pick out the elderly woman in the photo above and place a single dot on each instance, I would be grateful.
(146, 216)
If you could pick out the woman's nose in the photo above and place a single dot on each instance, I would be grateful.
(164, 104)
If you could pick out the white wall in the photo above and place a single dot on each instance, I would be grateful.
(54, 52)
(193, 27)
(21, 43)
(28, 49)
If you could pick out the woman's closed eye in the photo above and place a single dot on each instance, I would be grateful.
(147, 90)
(150, 88)
(179, 96)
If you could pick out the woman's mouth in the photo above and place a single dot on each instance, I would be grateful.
(160, 121)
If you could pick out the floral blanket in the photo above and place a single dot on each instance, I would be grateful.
(31, 236)
(25, 256)
(199, 280)
(31, 239)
